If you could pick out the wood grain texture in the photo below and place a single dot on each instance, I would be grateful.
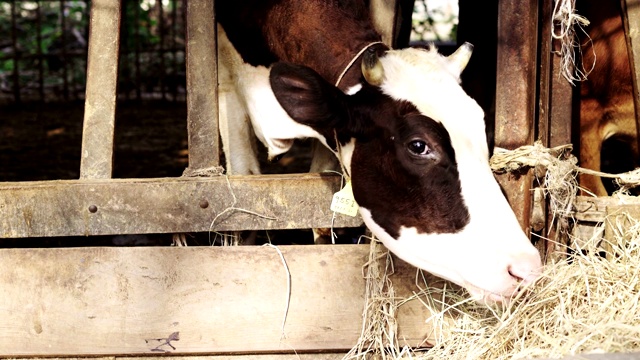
(96, 161)
(168, 205)
(126, 301)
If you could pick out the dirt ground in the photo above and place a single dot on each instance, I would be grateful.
(43, 142)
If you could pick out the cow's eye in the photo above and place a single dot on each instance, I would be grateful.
(418, 147)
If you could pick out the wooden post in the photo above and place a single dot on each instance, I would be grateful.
(202, 85)
(515, 94)
(96, 161)
(554, 121)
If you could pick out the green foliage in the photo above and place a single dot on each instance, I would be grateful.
(54, 35)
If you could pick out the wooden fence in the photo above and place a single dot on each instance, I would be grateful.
(188, 301)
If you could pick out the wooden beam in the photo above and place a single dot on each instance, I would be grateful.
(516, 93)
(202, 85)
(96, 161)
(192, 300)
(168, 205)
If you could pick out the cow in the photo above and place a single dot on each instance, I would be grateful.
(607, 113)
(408, 137)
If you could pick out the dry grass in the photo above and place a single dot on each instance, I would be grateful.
(584, 303)
(581, 304)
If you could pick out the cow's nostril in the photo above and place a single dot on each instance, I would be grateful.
(525, 272)
(514, 275)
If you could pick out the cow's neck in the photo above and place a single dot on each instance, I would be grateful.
(323, 35)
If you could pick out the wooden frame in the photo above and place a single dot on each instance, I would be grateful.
(126, 301)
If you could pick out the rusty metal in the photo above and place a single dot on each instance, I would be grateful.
(554, 121)
(15, 55)
(39, 51)
(137, 50)
(204, 204)
(202, 82)
(515, 94)
(96, 160)
(163, 78)
(169, 205)
(174, 62)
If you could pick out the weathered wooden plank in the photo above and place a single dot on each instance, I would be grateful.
(169, 205)
(596, 218)
(202, 85)
(96, 161)
(595, 209)
(554, 123)
(209, 300)
(322, 356)
(280, 356)
(516, 92)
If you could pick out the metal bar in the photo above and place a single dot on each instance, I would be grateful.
(15, 55)
(39, 51)
(63, 37)
(124, 52)
(170, 205)
(174, 33)
(136, 28)
(161, 31)
(77, 53)
(516, 93)
(102, 77)
(202, 85)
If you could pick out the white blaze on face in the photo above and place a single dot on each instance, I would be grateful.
(491, 253)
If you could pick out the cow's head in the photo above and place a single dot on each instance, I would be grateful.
(414, 144)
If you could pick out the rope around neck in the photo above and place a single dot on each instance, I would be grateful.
(354, 60)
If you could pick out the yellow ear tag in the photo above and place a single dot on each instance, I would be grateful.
(343, 201)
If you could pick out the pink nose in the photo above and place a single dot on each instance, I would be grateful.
(526, 268)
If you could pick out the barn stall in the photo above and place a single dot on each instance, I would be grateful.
(255, 301)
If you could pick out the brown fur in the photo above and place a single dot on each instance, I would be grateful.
(300, 32)
(606, 104)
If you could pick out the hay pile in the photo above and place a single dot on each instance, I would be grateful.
(582, 304)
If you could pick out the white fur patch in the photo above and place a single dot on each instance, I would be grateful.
(480, 255)
(271, 124)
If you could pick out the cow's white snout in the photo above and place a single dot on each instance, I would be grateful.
(525, 268)
(519, 274)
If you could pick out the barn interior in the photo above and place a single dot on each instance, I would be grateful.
(43, 77)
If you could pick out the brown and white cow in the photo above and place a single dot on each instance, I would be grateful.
(409, 137)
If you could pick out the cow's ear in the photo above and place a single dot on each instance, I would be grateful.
(307, 97)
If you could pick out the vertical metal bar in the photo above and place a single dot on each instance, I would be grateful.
(39, 51)
(124, 51)
(86, 36)
(515, 93)
(202, 84)
(63, 29)
(16, 55)
(136, 28)
(102, 77)
(174, 50)
(163, 75)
